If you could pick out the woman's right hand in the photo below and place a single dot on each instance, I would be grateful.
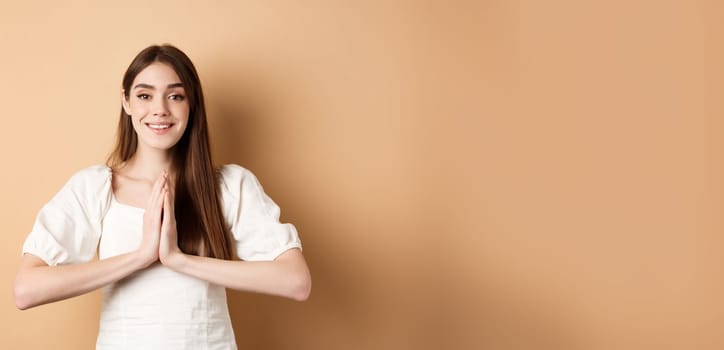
(152, 219)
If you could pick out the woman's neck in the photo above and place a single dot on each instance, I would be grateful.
(149, 163)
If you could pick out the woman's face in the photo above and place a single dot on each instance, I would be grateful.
(158, 107)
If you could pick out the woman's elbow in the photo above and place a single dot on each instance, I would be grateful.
(302, 287)
(298, 281)
(21, 295)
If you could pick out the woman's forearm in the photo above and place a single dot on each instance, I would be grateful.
(287, 276)
(37, 283)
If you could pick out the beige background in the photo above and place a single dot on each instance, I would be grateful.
(492, 174)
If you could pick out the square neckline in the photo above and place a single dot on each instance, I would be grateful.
(121, 204)
(115, 199)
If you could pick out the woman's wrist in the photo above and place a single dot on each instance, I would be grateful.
(142, 259)
(174, 260)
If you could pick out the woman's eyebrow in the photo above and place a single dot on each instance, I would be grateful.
(149, 86)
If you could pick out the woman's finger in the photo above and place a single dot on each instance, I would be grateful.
(167, 209)
(170, 200)
(154, 198)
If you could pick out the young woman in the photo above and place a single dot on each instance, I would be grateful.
(170, 231)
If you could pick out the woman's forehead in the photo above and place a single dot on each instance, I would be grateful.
(157, 75)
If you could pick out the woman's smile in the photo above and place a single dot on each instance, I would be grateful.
(159, 128)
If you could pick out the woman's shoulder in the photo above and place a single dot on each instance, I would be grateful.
(226, 168)
(95, 177)
(93, 173)
(230, 173)
(232, 177)
(90, 187)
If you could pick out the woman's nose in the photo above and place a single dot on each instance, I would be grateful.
(160, 108)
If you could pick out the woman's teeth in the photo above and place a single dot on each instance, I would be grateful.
(159, 126)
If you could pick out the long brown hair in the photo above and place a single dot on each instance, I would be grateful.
(199, 219)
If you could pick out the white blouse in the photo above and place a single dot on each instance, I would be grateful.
(155, 308)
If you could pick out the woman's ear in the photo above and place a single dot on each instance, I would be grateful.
(124, 102)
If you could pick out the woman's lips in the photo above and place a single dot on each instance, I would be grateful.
(159, 128)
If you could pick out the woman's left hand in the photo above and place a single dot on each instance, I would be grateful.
(168, 248)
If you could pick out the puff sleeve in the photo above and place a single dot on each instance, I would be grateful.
(253, 217)
(68, 228)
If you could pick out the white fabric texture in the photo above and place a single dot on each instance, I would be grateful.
(156, 308)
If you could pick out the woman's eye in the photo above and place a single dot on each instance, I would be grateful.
(177, 97)
(143, 96)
